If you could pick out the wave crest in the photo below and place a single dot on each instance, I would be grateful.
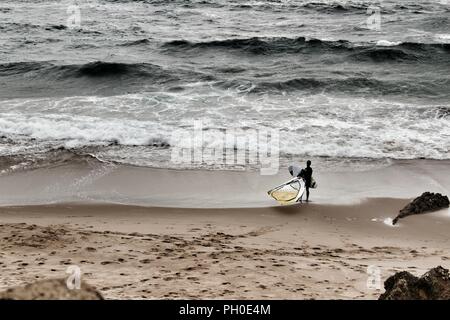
(406, 51)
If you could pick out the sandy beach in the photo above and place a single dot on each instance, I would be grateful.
(198, 248)
(140, 142)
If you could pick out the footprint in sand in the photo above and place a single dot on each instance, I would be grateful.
(145, 261)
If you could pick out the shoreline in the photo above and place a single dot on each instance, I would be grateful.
(129, 185)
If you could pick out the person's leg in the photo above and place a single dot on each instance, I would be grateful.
(307, 194)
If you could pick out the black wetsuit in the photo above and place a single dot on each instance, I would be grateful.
(307, 175)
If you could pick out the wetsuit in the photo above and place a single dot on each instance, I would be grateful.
(307, 175)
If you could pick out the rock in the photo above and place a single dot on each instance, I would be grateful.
(52, 289)
(427, 202)
(433, 285)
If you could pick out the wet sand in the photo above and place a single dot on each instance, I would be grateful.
(93, 181)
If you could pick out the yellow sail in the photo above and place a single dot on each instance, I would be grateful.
(288, 192)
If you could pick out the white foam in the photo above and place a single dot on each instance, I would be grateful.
(389, 222)
(386, 43)
(75, 131)
(317, 125)
(444, 38)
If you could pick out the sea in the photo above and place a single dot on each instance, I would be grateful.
(118, 80)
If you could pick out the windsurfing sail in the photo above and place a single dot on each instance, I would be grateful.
(288, 192)
(295, 170)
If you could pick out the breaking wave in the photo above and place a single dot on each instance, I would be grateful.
(406, 51)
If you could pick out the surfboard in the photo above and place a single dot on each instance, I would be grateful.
(288, 192)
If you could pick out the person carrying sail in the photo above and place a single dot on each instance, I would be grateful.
(306, 174)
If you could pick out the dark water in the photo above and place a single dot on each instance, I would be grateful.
(132, 72)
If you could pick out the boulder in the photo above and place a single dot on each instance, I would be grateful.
(52, 289)
(427, 202)
(433, 285)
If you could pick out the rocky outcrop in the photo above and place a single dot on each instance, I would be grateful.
(427, 202)
(53, 289)
(433, 285)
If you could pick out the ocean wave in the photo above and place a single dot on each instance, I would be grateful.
(348, 6)
(425, 47)
(435, 21)
(14, 26)
(136, 43)
(377, 52)
(44, 79)
(322, 6)
(75, 131)
(442, 112)
(442, 37)
(350, 85)
(91, 69)
(20, 27)
(49, 79)
(335, 6)
(102, 69)
(327, 126)
(45, 158)
(125, 77)
(384, 54)
(257, 45)
(56, 27)
(387, 43)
